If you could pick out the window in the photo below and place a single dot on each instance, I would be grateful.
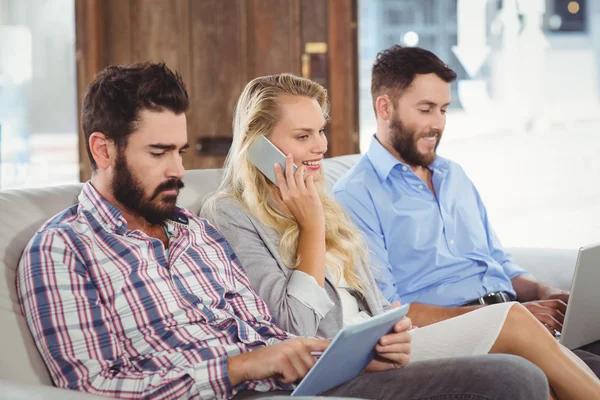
(524, 120)
(38, 110)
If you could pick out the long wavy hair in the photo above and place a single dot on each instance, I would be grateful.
(256, 114)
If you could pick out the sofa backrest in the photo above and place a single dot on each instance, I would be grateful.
(22, 212)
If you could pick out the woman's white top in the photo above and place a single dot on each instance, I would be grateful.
(350, 311)
(469, 334)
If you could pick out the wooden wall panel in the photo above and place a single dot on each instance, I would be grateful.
(156, 31)
(89, 37)
(185, 68)
(273, 32)
(219, 73)
(343, 78)
(313, 23)
(218, 46)
(118, 44)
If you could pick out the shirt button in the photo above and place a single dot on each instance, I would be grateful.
(119, 223)
(451, 241)
(404, 168)
(420, 187)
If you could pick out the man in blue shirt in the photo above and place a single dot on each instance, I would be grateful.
(427, 229)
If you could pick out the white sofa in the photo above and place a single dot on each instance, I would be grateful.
(22, 371)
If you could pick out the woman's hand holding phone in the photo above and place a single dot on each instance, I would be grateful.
(300, 195)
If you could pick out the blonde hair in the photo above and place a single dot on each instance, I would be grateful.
(256, 114)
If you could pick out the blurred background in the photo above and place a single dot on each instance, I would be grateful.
(523, 123)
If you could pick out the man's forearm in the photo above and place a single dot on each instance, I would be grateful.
(236, 368)
(425, 314)
(526, 288)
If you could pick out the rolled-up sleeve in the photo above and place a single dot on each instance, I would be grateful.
(307, 291)
(296, 305)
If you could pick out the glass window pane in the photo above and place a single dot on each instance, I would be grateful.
(38, 110)
(525, 107)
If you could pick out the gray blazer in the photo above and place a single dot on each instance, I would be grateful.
(295, 304)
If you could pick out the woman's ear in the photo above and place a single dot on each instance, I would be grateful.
(102, 149)
(384, 107)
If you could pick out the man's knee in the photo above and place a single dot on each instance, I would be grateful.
(510, 377)
(490, 377)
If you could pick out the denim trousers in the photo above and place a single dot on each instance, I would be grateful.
(488, 377)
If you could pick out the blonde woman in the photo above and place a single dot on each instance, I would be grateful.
(304, 257)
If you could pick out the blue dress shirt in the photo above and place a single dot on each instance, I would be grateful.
(434, 250)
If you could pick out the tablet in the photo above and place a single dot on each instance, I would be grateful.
(350, 351)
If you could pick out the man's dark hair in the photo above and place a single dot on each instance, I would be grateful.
(395, 69)
(118, 94)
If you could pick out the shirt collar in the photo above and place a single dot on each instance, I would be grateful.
(381, 159)
(111, 218)
(104, 212)
(384, 162)
(440, 165)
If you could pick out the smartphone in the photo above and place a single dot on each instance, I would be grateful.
(263, 154)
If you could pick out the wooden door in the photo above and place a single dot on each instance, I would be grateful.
(218, 46)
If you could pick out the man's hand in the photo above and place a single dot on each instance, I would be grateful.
(551, 308)
(548, 304)
(393, 350)
(289, 361)
(549, 312)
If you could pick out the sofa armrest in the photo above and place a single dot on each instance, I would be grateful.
(552, 266)
(10, 390)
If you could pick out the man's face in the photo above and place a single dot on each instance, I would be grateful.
(147, 173)
(418, 120)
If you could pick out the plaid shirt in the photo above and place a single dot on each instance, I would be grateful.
(112, 316)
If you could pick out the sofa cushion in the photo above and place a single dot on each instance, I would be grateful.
(10, 390)
(199, 183)
(22, 212)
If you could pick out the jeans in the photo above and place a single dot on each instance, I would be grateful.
(489, 377)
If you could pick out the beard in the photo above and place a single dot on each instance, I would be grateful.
(404, 141)
(128, 191)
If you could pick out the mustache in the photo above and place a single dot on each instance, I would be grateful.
(171, 184)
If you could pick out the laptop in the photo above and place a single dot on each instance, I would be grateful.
(582, 320)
